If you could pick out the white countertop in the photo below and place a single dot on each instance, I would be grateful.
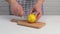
(52, 25)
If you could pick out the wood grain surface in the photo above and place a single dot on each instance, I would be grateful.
(25, 23)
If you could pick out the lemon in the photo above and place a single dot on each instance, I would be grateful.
(31, 18)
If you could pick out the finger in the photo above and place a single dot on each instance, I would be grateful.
(13, 12)
(37, 12)
(20, 12)
(39, 15)
(31, 11)
(16, 12)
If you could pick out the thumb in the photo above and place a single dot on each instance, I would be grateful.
(36, 14)
(31, 11)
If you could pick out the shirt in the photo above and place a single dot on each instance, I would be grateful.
(27, 5)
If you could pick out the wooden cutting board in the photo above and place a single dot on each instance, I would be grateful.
(25, 23)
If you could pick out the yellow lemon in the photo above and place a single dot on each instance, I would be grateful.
(31, 18)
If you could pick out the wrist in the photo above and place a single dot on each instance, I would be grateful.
(11, 1)
(14, 2)
(36, 5)
(39, 3)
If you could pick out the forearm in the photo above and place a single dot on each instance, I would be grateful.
(11, 1)
(39, 2)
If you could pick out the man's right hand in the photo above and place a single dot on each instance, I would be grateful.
(16, 9)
